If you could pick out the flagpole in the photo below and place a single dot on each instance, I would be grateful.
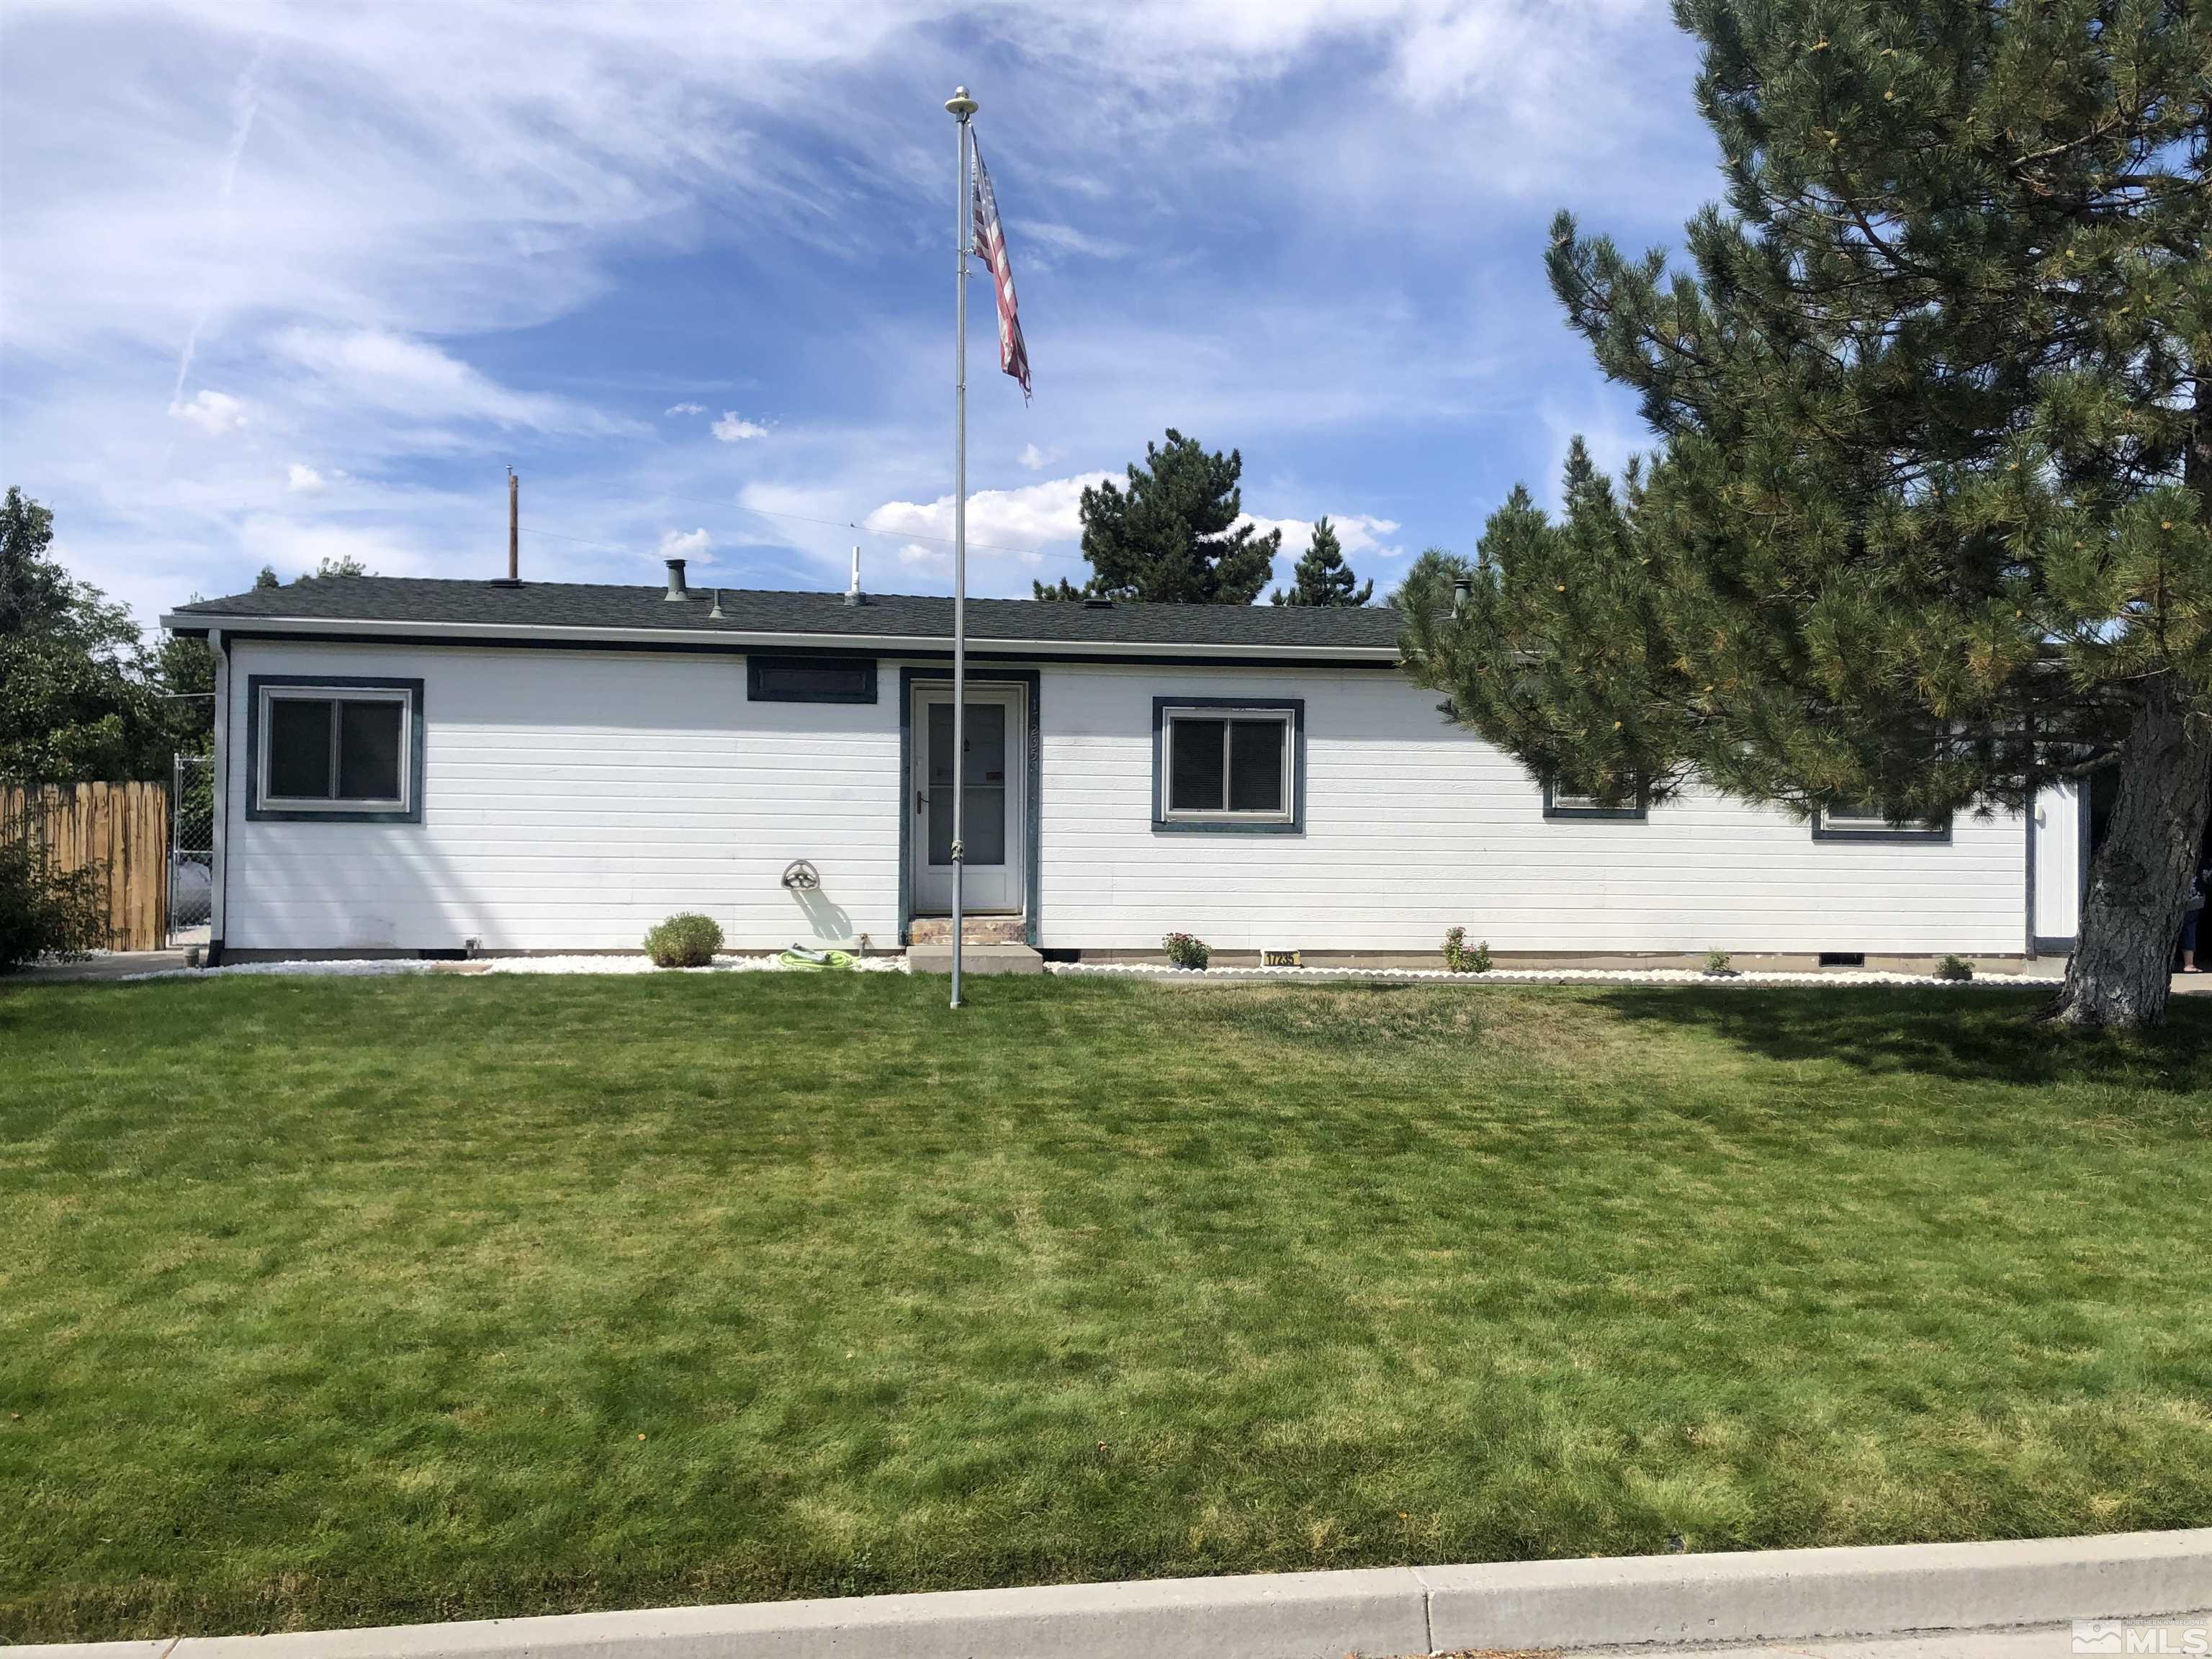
(960, 107)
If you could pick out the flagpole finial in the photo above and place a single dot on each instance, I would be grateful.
(960, 105)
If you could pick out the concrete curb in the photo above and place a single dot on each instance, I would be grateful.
(1778, 1595)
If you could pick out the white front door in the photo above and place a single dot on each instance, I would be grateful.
(996, 809)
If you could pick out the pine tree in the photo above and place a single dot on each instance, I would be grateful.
(1172, 536)
(1925, 524)
(1321, 576)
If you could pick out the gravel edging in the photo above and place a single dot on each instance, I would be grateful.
(378, 967)
(1551, 975)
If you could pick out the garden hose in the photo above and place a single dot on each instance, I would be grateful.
(800, 957)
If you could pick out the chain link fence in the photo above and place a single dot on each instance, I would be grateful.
(192, 849)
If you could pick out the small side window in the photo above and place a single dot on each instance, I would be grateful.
(1867, 821)
(1562, 803)
(811, 679)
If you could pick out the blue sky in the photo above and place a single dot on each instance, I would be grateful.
(285, 281)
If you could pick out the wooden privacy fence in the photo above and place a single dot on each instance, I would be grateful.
(123, 826)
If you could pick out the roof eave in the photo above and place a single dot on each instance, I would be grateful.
(201, 622)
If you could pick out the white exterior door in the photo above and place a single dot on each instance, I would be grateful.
(995, 782)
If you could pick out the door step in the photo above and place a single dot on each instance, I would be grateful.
(974, 930)
(974, 959)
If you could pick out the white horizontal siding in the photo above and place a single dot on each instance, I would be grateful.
(572, 799)
(1412, 826)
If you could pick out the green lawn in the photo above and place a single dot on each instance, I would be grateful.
(353, 1301)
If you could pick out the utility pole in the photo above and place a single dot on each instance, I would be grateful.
(514, 526)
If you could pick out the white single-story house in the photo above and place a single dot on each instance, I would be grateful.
(426, 766)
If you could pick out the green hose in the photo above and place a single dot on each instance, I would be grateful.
(801, 958)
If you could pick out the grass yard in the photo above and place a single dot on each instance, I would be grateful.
(353, 1301)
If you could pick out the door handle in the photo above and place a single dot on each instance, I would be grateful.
(920, 802)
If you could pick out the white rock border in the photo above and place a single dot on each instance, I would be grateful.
(376, 967)
(383, 967)
(1554, 976)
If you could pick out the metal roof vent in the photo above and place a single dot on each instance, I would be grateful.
(675, 588)
(1097, 602)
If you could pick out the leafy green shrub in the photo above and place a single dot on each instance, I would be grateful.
(45, 911)
(1954, 967)
(1185, 952)
(1460, 959)
(1716, 964)
(684, 941)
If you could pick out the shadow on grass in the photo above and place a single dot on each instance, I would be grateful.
(1988, 1036)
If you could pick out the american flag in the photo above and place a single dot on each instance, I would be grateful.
(991, 249)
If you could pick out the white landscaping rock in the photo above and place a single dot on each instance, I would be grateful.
(1551, 975)
(374, 967)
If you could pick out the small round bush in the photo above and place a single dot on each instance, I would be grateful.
(1957, 969)
(1185, 952)
(685, 941)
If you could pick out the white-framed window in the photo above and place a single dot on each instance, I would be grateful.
(348, 749)
(1227, 765)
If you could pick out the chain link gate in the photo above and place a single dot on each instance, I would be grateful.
(192, 849)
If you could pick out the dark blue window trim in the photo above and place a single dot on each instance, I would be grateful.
(1636, 814)
(1163, 825)
(338, 685)
(1930, 835)
(759, 665)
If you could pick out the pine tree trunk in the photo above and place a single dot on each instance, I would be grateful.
(2120, 973)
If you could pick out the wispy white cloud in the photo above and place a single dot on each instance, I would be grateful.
(418, 381)
(1023, 521)
(302, 479)
(214, 412)
(732, 429)
(694, 544)
(1356, 533)
(1046, 243)
(293, 546)
(410, 258)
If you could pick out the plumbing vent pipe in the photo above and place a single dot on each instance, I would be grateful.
(675, 588)
(852, 594)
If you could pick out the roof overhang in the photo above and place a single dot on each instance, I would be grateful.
(553, 636)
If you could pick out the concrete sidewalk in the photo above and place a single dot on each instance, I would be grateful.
(2185, 1634)
(2005, 1601)
(108, 965)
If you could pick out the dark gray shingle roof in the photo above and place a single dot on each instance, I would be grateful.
(748, 611)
